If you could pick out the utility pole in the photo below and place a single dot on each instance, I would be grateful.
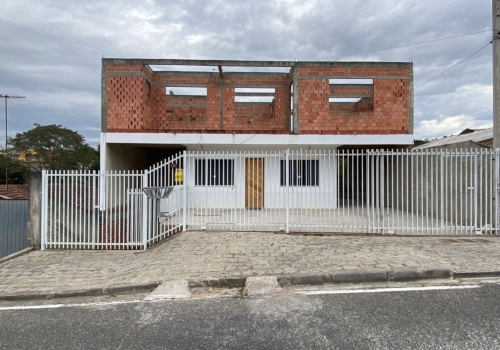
(496, 101)
(6, 97)
(496, 74)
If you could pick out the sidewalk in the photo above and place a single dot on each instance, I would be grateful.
(202, 255)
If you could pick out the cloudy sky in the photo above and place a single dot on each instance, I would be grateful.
(50, 51)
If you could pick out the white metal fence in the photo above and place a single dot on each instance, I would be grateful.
(90, 210)
(364, 191)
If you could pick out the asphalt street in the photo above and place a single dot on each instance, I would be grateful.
(431, 319)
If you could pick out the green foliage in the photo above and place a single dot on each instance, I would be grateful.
(18, 171)
(420, 142)
(467, 131)
(53, 147)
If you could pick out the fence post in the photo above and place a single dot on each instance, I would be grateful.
(34, 209)
(184, 195)
(144, 240)
(43, 224)
(497, 188)
(287, 195)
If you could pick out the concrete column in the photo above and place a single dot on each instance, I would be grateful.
(496, 74)
(104, 100)
(34, 209)
(296, 120)
(496, 89)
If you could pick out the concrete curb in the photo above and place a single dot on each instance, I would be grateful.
(224, 282)
(458, 275)
(365, 276)
(16, 254)
(336, 277)
(115, 289)
(344, 276)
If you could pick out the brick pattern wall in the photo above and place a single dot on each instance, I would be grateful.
(313, 105)
(136, 104)
(386, 113)
(361, 90)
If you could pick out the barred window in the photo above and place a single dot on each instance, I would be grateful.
(214, 172)
(300, 172)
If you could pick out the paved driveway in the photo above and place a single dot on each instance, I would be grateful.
(204, 254)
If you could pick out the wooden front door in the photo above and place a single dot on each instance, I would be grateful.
(254, 183)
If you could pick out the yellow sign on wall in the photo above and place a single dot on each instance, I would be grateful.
(179, 175)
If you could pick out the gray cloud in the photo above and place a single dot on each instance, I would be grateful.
(50, 51)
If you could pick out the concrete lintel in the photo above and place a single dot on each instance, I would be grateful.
(188, 62)
(350, 76)
(351, 95)
(254, 85)
(184, 85)
(172, 73)
(254, 94)
(362, 64)
(200, 97)
(256, 75)
(351, 86)
(267, 104)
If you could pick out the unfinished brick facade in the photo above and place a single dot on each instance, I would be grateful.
(136, 98)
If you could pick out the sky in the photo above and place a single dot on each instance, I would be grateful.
(50, 51)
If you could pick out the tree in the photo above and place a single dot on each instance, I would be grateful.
(53, 147)
(467, 131)
(420, 142)
(18, 171)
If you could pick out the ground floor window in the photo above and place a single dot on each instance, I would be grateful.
(214, 172)
(301, 172)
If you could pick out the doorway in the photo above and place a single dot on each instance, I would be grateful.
(254, 183)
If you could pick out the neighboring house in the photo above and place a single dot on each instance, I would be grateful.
(14, 192)
(13, 218)
(477, 139)
(154, 108)
(471, 172)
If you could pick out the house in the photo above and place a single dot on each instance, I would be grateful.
(478, 139)
(155, 108)
(262, 146)
(472, 149)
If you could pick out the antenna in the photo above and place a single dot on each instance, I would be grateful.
(6, 97)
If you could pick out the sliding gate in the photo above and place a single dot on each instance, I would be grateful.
(358, 191)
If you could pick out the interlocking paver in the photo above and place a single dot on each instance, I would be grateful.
(195, 254)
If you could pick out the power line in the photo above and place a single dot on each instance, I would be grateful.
(465, 59)
(405, 45)
(7, 97)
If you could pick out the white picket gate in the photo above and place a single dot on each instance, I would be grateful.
(90, 210)
(443, 192)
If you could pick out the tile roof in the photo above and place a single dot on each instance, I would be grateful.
(477, 136)
(14, 191)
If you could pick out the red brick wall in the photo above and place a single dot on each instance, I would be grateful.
(386, 113)
(135, 105)
(313, 105)
(126, 103)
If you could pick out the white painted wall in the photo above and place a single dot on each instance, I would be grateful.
(233, 197)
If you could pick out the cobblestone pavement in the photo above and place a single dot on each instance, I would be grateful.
(215, 254)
